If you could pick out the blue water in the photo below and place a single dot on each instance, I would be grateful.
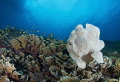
(61, 16)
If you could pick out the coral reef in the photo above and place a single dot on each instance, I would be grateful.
(33, 45)
(32, 58)
(7, 70)
(26, 43)
(117, 67)
(112, 48)
(8, 34)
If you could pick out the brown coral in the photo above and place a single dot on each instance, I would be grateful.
(117, 67)
(33, 45)
(26, 43)
(7, 69)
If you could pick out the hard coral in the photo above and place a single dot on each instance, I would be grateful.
(84, 45)
(27, 43)
(7, 70)
(33, 45)
(117, 67)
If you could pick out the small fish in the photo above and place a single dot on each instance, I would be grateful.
(37, 31)
(7, 30)
(8, 26)
(65, 38)
(44, 34)
(56, 37)
(24, 32)
(12, 27)
(22, 28)
(32, 31)
(51, 34)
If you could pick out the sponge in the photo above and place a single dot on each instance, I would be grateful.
(84, 45)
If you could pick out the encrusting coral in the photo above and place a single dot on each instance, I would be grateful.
(84, 45)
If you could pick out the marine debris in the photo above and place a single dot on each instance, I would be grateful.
(31, 58)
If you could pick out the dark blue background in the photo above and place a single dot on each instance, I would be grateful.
(60, 17)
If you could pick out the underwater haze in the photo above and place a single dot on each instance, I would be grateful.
(60, 17)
